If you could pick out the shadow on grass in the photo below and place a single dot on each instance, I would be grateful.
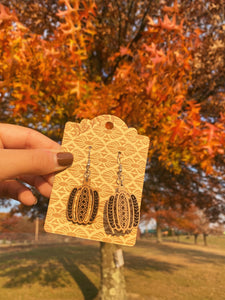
(188, 252)
(54, 266)
(88, 289)
(141, 264)
(60, 266)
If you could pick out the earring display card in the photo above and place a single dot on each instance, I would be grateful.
(86, 200)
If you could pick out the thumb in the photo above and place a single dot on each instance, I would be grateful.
(32, 162)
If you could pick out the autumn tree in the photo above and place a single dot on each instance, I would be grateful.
(40, 17)
(7, 224)
(208, 73)
(138, 60)
(202, 225)
(207, 88)
(166, 192)
(15, 227)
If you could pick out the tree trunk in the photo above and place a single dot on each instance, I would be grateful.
(196, 238)
(172, 232)
(112, 273)
(205, 239)
(158, 233)
(36, 229)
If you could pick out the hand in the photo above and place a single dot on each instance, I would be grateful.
(28, 156)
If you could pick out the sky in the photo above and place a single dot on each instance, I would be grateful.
(7, 209)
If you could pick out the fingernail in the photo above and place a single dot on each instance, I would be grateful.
(35, 202)
(64, 159)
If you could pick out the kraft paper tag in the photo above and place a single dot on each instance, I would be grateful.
(90, 202)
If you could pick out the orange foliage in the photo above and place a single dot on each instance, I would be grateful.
(49, 81)
(35, 71)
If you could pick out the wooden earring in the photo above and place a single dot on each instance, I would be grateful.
(122, 208)
(82, 206)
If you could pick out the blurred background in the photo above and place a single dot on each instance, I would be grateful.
(159, 66)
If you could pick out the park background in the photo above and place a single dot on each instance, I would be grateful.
(159, 66)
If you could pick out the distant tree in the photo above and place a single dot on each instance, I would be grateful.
(7, 223)
(168, 195)
(202, 225)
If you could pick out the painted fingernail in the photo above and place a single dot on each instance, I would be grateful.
(64, 159)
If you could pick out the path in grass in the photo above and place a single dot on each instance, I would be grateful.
(153, 271)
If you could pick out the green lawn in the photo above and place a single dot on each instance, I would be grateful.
(153, 271)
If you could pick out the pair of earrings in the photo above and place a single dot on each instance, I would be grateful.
(122, 212)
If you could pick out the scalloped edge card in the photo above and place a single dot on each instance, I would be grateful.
(99, 196)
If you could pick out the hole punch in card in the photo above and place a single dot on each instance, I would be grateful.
(99, 196)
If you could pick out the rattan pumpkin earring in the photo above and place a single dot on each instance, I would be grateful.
(122, 208)
(82, 206)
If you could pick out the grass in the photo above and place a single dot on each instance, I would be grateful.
(170, 270)
(214, 241)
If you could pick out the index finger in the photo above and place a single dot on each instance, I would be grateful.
(19, 137)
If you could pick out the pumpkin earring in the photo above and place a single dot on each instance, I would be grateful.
(82, 206)
(122, 208)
